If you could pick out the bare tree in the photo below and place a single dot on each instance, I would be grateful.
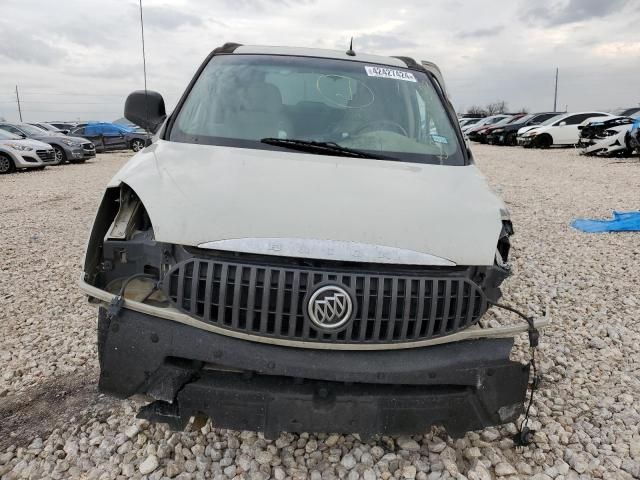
(476, 110)
(496, 107)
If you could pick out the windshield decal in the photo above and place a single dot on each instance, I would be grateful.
(439, 139)
(390, 73)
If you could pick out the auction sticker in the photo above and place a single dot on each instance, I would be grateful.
(390, 73)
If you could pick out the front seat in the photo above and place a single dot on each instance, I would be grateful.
(260, 114)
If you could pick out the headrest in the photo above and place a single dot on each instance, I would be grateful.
(263, 97)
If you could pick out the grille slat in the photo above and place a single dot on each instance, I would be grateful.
(251, 298)
(222, 293)
(237, 292)
(271, 301)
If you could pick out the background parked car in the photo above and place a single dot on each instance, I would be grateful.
(48, 128)
(111, 136)
(506, 134)
(595, 129)
(479, 134)
(67, 149)
(64, 127)
(634, 136)
(17, 152)
(492, 120)
(626, 112)
(483, 135)
(559, 130)
(612, 142)
(468, 121)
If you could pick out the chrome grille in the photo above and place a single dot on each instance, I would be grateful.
(46, 155)
(270, 301)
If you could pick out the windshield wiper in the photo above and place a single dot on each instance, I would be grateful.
(326, 148)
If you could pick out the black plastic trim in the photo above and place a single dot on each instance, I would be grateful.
(463, 385)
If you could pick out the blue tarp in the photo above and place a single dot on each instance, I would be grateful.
(621, 222)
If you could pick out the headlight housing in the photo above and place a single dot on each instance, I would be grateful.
(70, 143)
(530, 134)
(498, 130)
(21, 148)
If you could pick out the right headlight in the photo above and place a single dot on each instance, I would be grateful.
(70, 143)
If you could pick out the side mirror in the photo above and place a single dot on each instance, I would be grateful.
(145, 109)
(562, 124)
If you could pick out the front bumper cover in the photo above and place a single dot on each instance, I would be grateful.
(244, 385)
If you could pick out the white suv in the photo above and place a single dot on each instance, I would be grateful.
(559, 130)
(307, 245)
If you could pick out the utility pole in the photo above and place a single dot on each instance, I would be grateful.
(555, 95)
(18, 98)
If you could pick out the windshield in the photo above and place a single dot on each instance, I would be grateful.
(508, 120)
(526, 118)
(495, 120)
(238, 100)
(4, 135)
(31, 130)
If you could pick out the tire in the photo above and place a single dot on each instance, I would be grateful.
(6, 164)
(511, 140)
(61, 156)
(544, 141)
(137, 144)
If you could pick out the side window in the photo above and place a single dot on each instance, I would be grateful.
(572, 120)
(78, 131)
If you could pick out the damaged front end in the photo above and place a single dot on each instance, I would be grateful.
(227, 335)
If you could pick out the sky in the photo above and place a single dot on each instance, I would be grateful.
(78, 59)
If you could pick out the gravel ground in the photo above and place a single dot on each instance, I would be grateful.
(54, 424)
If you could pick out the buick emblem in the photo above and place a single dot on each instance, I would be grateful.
(330, 307)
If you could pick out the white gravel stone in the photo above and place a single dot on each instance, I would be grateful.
(407, 443)
(149, 465)
(585, 411)
(503, 469)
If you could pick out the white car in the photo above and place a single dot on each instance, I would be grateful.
(17, 153)
(614, 141)
(559, 130)
(308, 245)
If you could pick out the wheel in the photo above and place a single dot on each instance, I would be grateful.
(544, 141)
(61, 157)
(511, 140)
(6, 164)
(137, 145)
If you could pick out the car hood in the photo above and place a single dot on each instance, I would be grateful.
(528, 128)
(27, 142)
(267, 201)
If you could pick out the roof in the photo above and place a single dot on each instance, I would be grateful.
(322, 53)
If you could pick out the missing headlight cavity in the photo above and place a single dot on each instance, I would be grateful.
(123, 236)
(131, 216)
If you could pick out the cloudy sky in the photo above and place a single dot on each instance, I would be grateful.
(78, 59)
